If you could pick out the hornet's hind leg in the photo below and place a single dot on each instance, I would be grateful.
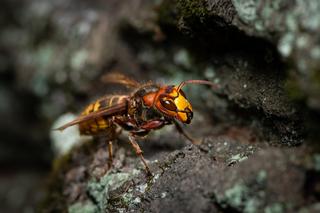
(110, 150)
(114, 135)
(139, 152)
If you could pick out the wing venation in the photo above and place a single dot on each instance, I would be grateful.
(108, 111)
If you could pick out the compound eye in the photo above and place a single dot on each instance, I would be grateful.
(168, 104)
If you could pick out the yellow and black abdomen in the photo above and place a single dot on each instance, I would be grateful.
(100, 125)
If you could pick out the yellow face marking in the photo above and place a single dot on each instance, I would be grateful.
(174, 93)
(182, 104)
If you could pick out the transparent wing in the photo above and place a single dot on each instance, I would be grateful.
(119, 78)
(108, 111)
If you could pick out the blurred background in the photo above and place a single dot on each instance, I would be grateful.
(54, 53)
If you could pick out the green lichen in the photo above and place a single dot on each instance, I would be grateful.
(252, 206)
(99, 189)
(310, 209)
(127, 198)
(315, 53)
(259, 16)
(247, 10)
(247, 197)
(131, 197)
(274, 208)
(78, 59)
(262, 176)
(122, 202)
(193, 8)
(285, 44)
(172, 12)
(182, 57)
(239, 197)
(86, 207)
(44, 56)
(295, 26)
(209, 72)
(236, 195)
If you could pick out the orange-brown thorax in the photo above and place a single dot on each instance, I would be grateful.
(171, 102)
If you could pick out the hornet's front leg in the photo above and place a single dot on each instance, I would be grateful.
(139, 152)
(185, 134)
(144, 128)
(153, 124)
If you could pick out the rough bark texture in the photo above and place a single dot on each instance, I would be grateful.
(260, 130)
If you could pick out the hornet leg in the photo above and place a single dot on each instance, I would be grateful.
(186, 135)
(139, 152)
(110, 150)
(114, 133)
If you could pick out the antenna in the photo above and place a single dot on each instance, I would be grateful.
(183, 83)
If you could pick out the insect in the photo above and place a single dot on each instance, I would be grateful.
(149, 107)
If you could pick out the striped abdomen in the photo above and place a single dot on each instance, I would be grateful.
(101, 125)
